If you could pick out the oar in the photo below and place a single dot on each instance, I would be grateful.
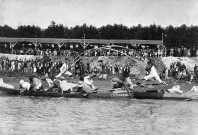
(127, 90)
(192, 98)
(142, 84)
(101, 90)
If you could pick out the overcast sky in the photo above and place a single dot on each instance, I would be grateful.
(98, 12)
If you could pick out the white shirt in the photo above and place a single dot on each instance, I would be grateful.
(88, 80)
(153, 71)
(50, 82)
(153, 74)
(12, 63)
(194, 88)
(65, 86)
(175, 89)
(35, 69)
(26, 85)
(37, 83)
(64, 68)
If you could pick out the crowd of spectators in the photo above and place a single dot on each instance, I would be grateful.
(143, 51)
(52, 67)
(43, 66)
(179, 71)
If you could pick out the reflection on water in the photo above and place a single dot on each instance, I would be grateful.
(51, 116)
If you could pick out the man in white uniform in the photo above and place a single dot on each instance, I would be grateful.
(24, 85)
(87, 85)
(153, 73)
(64, 85)
(89, 81)
(64, 69)
(36, 83)
(49, 82)
(194, 89)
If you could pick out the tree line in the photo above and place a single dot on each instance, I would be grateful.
(183, 35)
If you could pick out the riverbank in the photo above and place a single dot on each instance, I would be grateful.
(137, 68)
(138, 65)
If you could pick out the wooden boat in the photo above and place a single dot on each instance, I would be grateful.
(99, 94)
(162, 94)
(146, 94)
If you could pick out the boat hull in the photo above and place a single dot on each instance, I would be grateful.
(103, 94)
(151, 94)
(163, 95)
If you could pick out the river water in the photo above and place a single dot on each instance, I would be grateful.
(61, 116)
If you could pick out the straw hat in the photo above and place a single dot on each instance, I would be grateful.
(92, 75)
(21, 82)
(80, 83)
(60, 78)
(114, 80)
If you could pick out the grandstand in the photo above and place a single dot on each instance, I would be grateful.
(57, 41)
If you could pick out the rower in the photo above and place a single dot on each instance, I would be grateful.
(153, 73)
(64, 70)
(66, 87)
(35, 83)
(194, 89)
(88, 80)
(87, 85)
(125, 76)
(117, 83)
(24, 86)
(49, 82)
(80, 84)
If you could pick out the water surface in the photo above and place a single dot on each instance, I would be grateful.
(57, 116)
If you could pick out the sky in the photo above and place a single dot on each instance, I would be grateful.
(98, 12)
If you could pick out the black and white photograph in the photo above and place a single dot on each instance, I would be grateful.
(98, 67)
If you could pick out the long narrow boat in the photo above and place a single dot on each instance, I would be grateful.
(99, 94)
(162, 94)
(108, 94)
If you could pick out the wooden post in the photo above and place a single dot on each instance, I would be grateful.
(60, 45)
(12, 46)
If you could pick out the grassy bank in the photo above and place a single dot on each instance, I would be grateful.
(137, 68)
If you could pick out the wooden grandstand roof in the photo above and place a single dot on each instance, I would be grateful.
(81, 41)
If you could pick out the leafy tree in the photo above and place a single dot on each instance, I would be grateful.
(169, 36)
(6, 31)
(183, 35)
(29, 31)
(54, 31)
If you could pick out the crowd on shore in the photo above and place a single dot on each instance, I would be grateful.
(79, 68)
(179, 71)
(46, 70)
(142, 51)
(43, 66)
